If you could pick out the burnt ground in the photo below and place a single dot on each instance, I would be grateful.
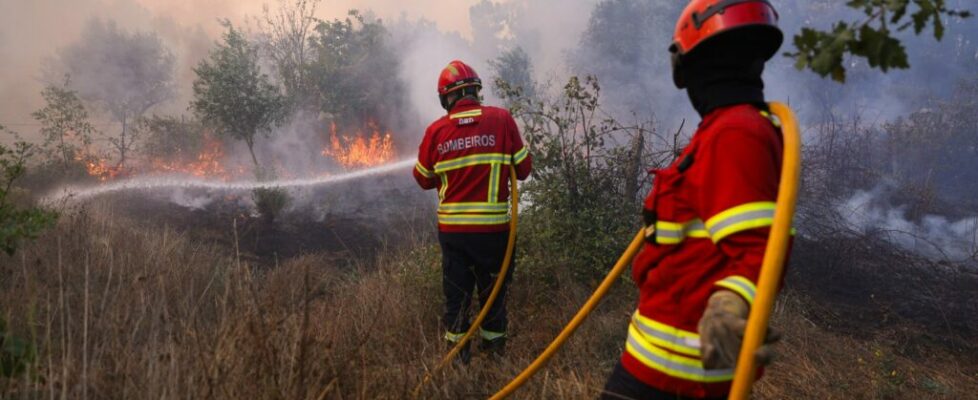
(349, 221)
(860, 287)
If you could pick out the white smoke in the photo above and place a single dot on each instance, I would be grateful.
(933, 236)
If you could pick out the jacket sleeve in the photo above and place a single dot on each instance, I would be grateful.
(424, 169)
(522, 159)
(738, 172)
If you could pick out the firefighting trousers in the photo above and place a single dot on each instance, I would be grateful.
(622, 385)
(470, 262)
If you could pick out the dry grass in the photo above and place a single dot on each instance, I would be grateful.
(120, 310)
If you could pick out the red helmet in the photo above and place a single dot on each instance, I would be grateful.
(704, 19)
(457, 75)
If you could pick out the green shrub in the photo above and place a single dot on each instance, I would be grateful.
(582, 205)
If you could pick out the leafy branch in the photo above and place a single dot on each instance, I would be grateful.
(871, 38)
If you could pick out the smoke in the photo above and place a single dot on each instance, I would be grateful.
(933, 236)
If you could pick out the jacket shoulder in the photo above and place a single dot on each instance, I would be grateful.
(496, 112)
(742, 120)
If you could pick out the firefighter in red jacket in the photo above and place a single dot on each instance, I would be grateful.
(467, 155)
(708, 216)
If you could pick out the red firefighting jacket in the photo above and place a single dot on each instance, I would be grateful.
(466, 155)
(707, 222)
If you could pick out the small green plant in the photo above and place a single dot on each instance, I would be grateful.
(16, 353)
(18, 223)
(269, 201)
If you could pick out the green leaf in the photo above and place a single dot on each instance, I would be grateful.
(880, 49)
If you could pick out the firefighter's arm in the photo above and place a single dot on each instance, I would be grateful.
(738, 173)
(521, 154)
(424, 168)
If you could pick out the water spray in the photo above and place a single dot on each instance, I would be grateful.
(76, 193)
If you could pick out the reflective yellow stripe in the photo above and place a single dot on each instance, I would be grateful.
(774, 121)
(423, 171)
(740, 218)
(473, 219)
(444, 187)
(466, 114)
(490, 335)
(741, 285)
(671, 364)
(666, 336)
(493, 195)
(453, 337)
(675, 232)
(468, 161)
(520, 155)
(476, 207)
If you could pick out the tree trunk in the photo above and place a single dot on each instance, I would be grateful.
(254, 159)
(122, 143)
(64, 150)
(633, 168)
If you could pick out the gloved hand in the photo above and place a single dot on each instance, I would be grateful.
(722, 331)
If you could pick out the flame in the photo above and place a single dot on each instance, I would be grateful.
(207, 164)
(99, 167)
(356, 150)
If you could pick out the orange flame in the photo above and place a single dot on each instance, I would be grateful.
(356, 150)
(208, 163)
(99, 167)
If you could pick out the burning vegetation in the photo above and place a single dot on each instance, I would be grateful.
(206, 157)
(359, 149)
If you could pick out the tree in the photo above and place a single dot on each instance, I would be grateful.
(285, 36)
(64, 124)
(173, 138)
(232, 95)
(624, 42)
(514, 67)
(354, 69)
(872, 39)
(125, 73)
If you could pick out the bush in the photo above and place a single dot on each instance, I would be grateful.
(17, 223)
(269, 201)
(588, 178)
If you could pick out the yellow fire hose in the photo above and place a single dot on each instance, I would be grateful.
(767, 289)
(497, 287)
(592, 302)
(774, 256)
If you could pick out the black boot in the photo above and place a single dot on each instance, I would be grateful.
(493, 348)
(463, 356)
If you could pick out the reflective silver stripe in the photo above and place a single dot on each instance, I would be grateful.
(675, 232)
(473, 219)
(736, 219)
(740, 285)
(672, 366)
(467, 161)
(669, 233)
(490, 335)
(493, 195)
(688, 345)
(457, 208)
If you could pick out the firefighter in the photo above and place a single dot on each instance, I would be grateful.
(467, 155)
(708, 215)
